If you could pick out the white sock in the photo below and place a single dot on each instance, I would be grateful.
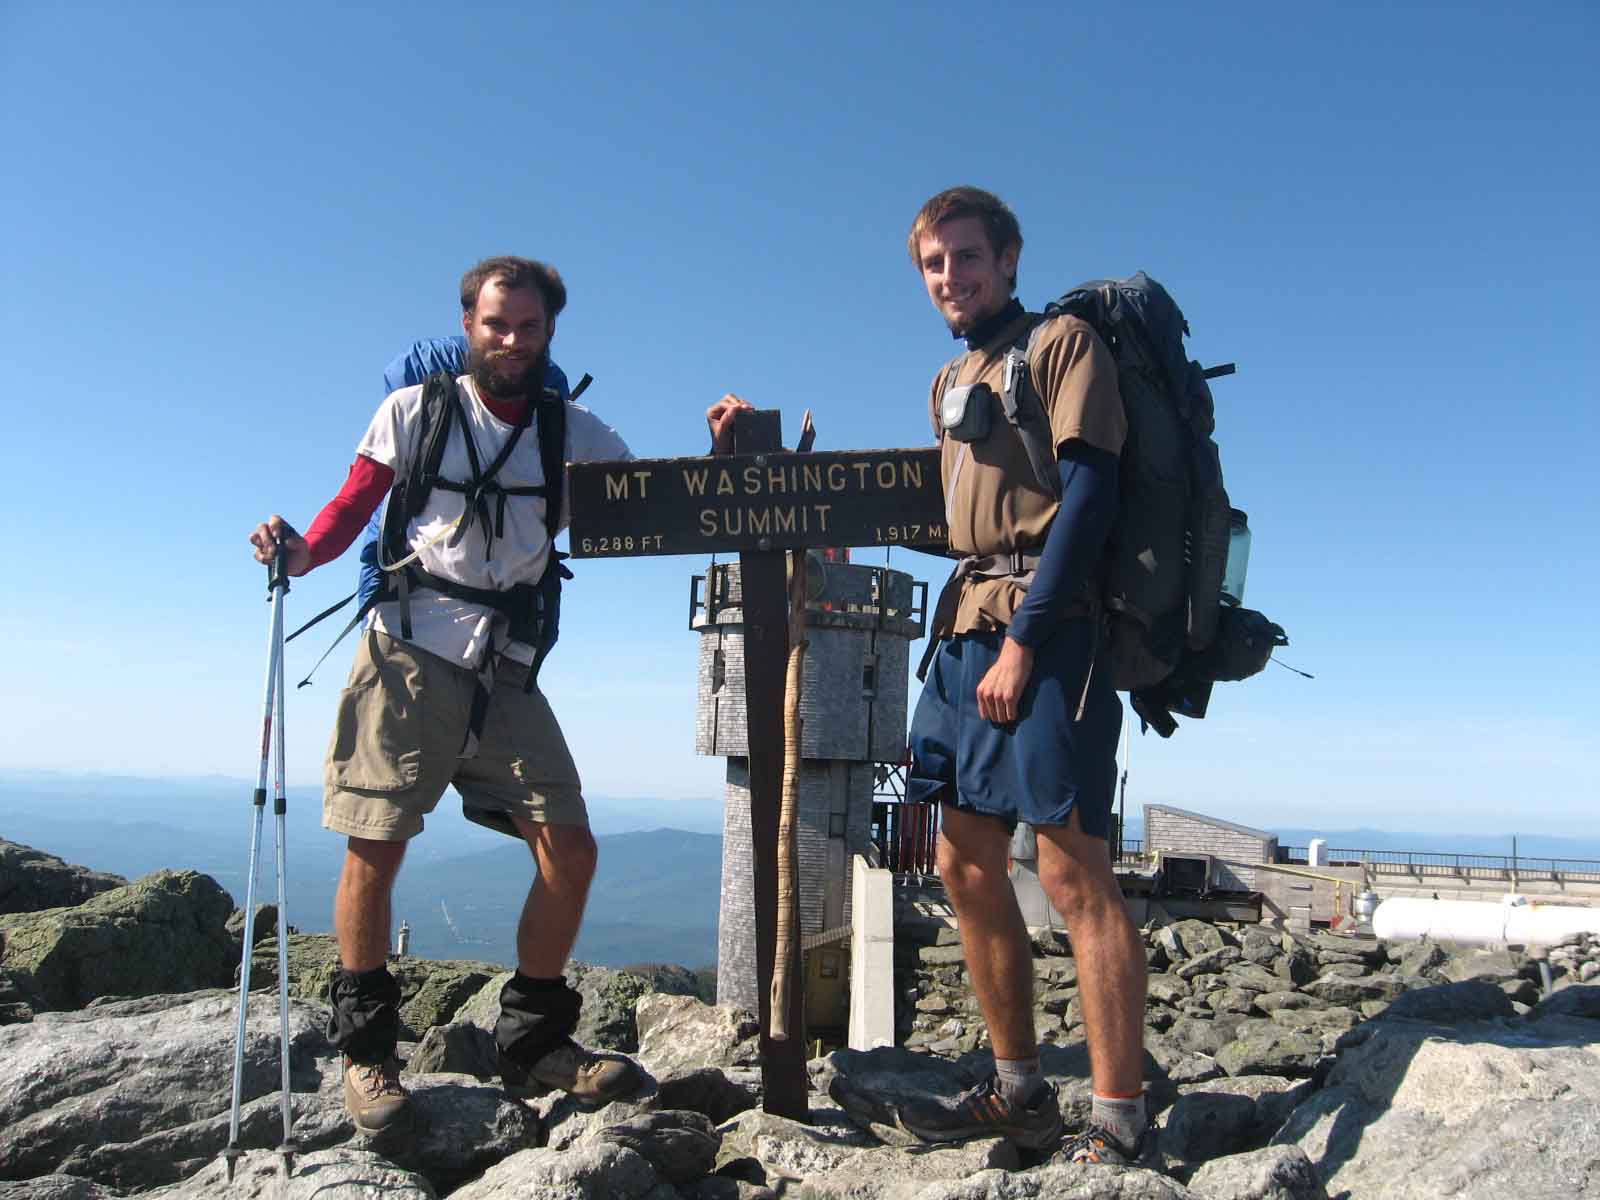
(1020, 1078)
(1122, 1119)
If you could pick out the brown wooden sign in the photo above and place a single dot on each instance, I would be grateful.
(776, 501)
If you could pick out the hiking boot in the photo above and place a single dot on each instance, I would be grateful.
(1096, 1144)
(374, 1098)
(982, 1111)
(591, 1079)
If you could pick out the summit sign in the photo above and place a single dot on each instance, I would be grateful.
(782, 500)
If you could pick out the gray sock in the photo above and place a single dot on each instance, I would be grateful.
(1020, 1078)
(1122, 1119)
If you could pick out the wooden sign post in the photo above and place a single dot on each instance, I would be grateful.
(760, 501)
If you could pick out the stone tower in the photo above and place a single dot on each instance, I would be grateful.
(860, 622)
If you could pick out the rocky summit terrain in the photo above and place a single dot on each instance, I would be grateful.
(1280, 1067)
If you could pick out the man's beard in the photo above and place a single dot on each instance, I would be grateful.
(496, 376)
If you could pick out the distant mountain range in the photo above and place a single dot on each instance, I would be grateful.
(654, 898)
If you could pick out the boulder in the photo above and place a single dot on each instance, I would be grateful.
(1228, 1115)
(1064, 1182)
(19, 998)
(341, 1174)
(1473, 1000)
(680, 1145)
(1266, 1048)
(603, 1171)
(1491, 965)
(888, 1174)
(459, 1048)
(164, 933)
(679, 1033)
(1271, 1173)
(1473, 1110)
(1212, 962)
(31, 880)
(789, 1149)
(1194, 937)
(56, 1187)
(71, 1083)
(709, 1091)
(1337, 989)
(871, 1086)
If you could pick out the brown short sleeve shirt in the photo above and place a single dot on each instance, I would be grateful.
(993, 500)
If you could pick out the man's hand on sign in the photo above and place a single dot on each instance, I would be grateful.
(720, 417)
(275, 532)
(1000, 689)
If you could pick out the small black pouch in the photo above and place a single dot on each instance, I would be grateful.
(965, 412)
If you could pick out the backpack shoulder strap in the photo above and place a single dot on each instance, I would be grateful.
(1025, 410)
(942, 383)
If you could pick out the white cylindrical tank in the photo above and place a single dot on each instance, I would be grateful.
(1317, 853)
(1515, 922)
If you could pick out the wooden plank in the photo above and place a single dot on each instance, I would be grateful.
(755, 500)
(766, 650)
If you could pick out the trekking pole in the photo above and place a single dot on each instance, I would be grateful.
(271, 736)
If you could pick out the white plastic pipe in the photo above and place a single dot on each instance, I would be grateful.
(1515, 922)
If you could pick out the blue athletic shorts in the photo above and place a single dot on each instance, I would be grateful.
(1041, 767)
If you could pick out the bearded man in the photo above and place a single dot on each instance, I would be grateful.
(443, 689)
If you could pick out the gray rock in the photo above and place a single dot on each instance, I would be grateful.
(463, 1128)
(1180, 1066)
(941, 956)
(602, 1171)
(1200, 1036)
(709, 1091)
(1272, 1173)
(1252, 977)
(1473, 1110)
(1473, 1000)
(459, 1048)
(789, 1149)
(1209, 963)
(1269, 1049)
(1335, 947)
(1269, 1002)
(1493, 965)
(679, 1034)
(1231, 1000)
(1353, 969)
(341, 1174)
(1163, 988)
(1196, 937)
(1297, 965)
(20, 1000)
(55, 1187)
(1259, 947)
(31, 880)
(164, 933)
(680, 1145)
(1582, 1002)
(1421, 958)
(872, 1085)
(1316, 1020)
(264, 927)
(70, 1081)
(887, 1174)
(1066, 1182)
(1335, 989)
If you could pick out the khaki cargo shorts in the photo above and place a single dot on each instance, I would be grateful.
(402, 721)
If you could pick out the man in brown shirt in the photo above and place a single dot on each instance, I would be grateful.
(1014, 723)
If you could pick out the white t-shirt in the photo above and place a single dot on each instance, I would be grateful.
(455, 629)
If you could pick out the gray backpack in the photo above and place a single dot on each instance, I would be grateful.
(1162, 581)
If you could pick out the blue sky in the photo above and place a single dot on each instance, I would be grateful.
(222, 222)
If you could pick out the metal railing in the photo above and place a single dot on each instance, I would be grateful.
(1422, 864)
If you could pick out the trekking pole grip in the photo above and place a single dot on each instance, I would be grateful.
(278, 570)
